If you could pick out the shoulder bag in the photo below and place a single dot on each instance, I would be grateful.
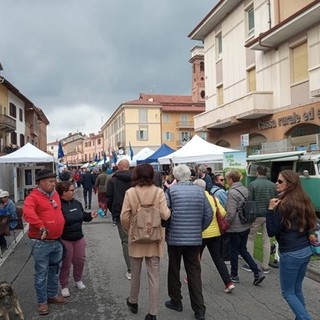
(222, 221)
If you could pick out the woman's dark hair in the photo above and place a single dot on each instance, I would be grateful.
(63, 186)
(296, 208)
(143, 175)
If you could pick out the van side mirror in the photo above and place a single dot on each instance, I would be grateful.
(306, 173)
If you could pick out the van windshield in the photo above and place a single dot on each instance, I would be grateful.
(302, 166)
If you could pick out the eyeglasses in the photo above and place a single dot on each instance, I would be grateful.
(54, 204)
(280, 181)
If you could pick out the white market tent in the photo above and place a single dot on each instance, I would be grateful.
(196, 150)
(28, 155)
(141, 155)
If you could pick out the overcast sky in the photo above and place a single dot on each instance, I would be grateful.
(79, 60)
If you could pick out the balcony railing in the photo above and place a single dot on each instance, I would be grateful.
(184, 124)
(7, 124)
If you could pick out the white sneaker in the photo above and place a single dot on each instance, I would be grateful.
(128, 275)
(80, 285)
(65, 292)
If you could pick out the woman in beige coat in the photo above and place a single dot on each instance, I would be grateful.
(144, 188)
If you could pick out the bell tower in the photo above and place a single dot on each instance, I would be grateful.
(197, 63)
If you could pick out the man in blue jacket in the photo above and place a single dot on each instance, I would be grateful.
(191, 214)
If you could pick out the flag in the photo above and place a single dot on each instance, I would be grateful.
(104, 157)
(60, 151)
(131, 151)
(114, 157)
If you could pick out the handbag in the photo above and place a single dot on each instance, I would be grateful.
(222, 221)
(314, 239)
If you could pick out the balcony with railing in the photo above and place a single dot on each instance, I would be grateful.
(184, 124)
(254, 105)
(7, 124)
(34, 130)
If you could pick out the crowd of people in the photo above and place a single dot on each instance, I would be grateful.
(58, 244)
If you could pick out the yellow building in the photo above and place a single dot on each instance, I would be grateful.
(150, 121)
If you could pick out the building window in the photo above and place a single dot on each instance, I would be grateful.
(250, 20)
(219, 46)
(300, 62)
(167, 136)
(142, 134)
(251, 80)
(143, 116)
(201, 66)
(220, 95)
(13, 138)
(185, 136)
(21, 140)
(20, 114)
(165, 117)
(12, 110)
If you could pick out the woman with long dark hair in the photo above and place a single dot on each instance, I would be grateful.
(290, 218)
(144, 191)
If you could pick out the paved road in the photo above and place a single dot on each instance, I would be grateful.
(107, 287)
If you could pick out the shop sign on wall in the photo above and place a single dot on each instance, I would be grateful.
(290, 120)
(244, 140)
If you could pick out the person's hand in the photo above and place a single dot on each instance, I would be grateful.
(43, 233)
(94, 214)
(273, 203)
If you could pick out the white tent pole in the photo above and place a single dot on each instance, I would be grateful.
(15, 184)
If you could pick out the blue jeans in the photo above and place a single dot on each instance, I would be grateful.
(293, 268)
(47, 257)
(238, 243)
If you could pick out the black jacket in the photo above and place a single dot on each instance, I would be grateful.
(117, 187)
(74, 215)
(87, 181)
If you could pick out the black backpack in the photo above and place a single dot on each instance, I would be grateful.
(248, 210)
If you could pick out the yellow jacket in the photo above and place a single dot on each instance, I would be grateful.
(213, 229)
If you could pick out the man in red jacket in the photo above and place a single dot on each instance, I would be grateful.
(42, 209)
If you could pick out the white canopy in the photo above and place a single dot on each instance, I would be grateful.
(141, 155)
(27, 154)
(196, 150)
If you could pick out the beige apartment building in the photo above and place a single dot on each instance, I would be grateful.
(150, 121)
(262, 75)
(20, 120)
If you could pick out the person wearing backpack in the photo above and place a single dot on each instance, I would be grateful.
(144, 206)
(238, 231)
(261, 190)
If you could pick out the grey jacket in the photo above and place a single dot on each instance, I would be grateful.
(191, 213)
(234, 202)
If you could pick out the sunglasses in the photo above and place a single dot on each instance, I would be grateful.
(280, 181)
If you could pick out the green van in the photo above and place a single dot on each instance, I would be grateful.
(307, 165)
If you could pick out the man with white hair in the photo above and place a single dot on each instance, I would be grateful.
(7, 208)
(191, 214)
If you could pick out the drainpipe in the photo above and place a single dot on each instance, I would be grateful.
(269, 11)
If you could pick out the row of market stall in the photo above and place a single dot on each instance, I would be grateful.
(18, 169)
